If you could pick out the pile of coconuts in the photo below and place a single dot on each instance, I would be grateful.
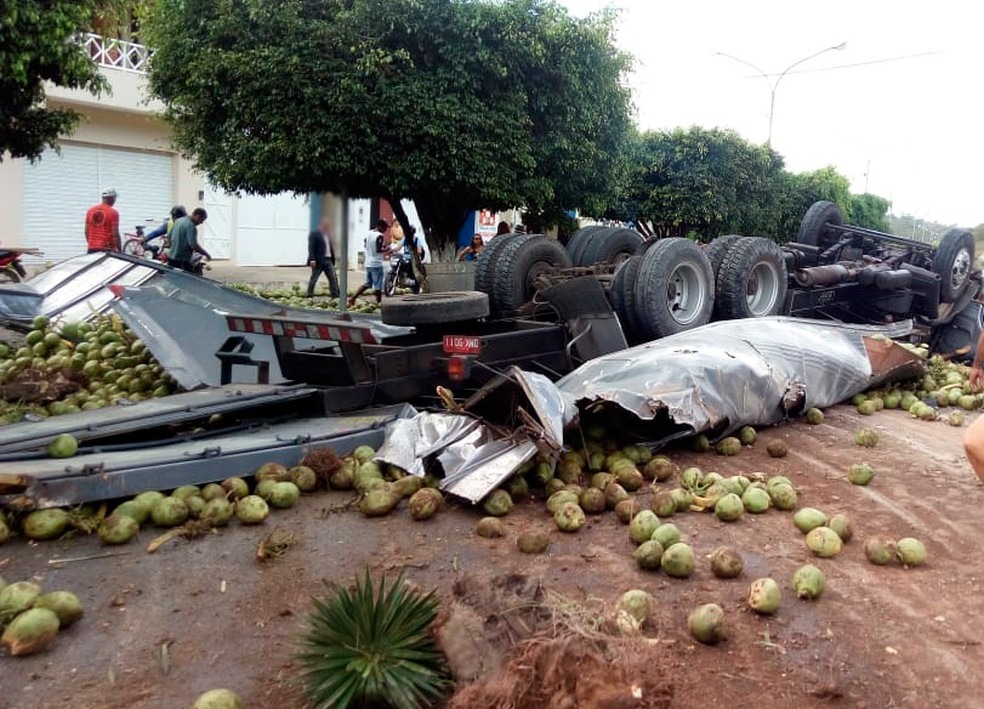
(31, 618)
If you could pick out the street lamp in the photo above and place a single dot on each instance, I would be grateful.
(773, 85)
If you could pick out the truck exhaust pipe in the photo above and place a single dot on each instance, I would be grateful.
(822, 275)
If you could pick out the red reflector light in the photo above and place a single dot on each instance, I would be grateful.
(459, 367)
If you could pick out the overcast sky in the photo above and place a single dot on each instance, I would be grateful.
(900, 108)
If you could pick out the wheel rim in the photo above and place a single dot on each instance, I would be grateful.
(762, 289)
(685, 294)
(960, 270)
(536, 269)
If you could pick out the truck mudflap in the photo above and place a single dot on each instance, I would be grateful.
(103, 475)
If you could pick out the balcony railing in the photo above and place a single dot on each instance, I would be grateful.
(118, 53)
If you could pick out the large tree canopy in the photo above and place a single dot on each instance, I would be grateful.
(455, 104)
(39, 43)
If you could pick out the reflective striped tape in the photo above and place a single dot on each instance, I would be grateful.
(337, 332)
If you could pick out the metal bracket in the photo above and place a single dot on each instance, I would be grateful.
(236, 350)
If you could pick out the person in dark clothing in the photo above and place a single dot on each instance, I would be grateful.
(321, 258)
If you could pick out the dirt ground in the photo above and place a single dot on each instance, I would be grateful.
(161, 628)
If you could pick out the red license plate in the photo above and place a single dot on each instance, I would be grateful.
(462, 344)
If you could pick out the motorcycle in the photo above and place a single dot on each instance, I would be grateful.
(401, 274)
(11, 269)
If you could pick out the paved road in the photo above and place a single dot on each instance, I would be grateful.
(225, 272)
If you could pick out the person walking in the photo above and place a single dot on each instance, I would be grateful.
(321, 258)
(375, 246)
(184, 240)
(102, 225)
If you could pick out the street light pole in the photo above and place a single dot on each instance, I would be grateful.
(773, 85)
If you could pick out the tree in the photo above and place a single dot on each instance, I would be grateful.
(40, 44)
(454, 104)
(869, 211)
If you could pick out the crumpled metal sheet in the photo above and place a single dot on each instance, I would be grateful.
(409, 441)
(717, 378)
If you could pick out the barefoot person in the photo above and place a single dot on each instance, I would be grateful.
(974, 437)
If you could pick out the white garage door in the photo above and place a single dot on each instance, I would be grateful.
(272, 231)
(58, 189)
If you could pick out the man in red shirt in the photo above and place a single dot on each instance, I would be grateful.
(102, 224)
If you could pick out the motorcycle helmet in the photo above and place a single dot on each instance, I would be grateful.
(178, 211)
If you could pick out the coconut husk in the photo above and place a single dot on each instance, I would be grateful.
(324, 462)
(36, 386)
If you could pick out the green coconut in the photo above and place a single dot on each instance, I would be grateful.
(867, 407)
(304, 477)
(866, 438)
(756, 500)
(569, 471)
(17, 598)
(747, 435)
(195, 504)
(764, 596)
(3, 584)
(30, 632)
(63, 445)
(736, 484)
(659, 468)
(626, 510)
(425, 503)
(490, 528)
(252, 509)
(601, 480)
(728, 446)
(592, 501)
(517, 487)
(808, 518)
(217, 512)
(499, 503)
(596, 461)
(632, 453)
(814, 417)
(41, 525)
(808, 582)
(344, 477)
(729, 508)
(630, 478)
(711, 478)
(642, 526)
(569, 517)
(614, 493)
(683, 499)
(186, 491)
(967, 402)
(648, 555)
(777, 449)
(170, 512)
(407, 486)
(617, 460)
(265, 487)
(218, 699)
(4, 532)
(382, 500)
(664, 503)
(956, 419)
(824, 542)
(691, 478)
(553, 485)
(559, 498)
(148, 499)
(726, 563)
(678, 560)
(666, 534)
(543, 471)
(533, 541)
(363, 453)
(64, 604)
(880, 551)
(783, 497)
(707, 625)
(777, 480)
(841, 524)
(212, 491)
(911, 552)
(638, 604)
(701, 444)
(575, 457)
(860, 474)
(118, 529)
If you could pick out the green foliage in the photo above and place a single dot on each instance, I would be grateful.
(369, 647)
(868, 211)
(455, 104)
(39, 43)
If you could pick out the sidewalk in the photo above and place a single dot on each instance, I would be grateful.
(226, 272)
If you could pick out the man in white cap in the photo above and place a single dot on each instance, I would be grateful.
(102, 224)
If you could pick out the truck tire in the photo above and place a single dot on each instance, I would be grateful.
(752, 280)
(814, 224)
(953, 261)
(485, 263)
(612, 247)
(674, 290)
(718, 249)
(434, 308)
(578, 240)
(646, 244)
(517, 268)
(622, 296)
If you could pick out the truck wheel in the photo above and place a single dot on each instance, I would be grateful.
(752, 280)
(579, 239)
(622, 296)
(953, 261)
(434, 308)
(718, 249)
(485, 263)
(646, 244)
(674, 290)
(517, 268)
(814, 224)
(612, 247)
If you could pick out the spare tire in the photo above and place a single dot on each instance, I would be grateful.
(953, 261)
(579, 239)
(434, 308)
(752, 280)
(622, 296)
(814, 225)
(517, 268)
(613, 247)
(674, 290)
(485, 263)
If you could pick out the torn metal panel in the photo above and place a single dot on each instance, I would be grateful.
(476, 476)
(547, 403)
(28, 484)
(410, 441)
